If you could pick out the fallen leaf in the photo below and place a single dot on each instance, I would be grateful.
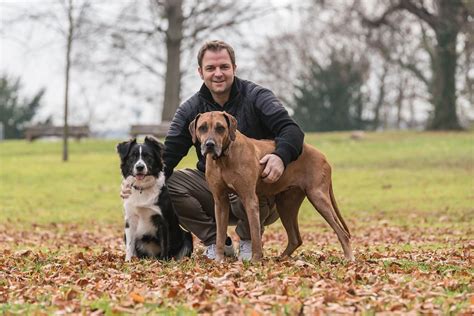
(137, 298)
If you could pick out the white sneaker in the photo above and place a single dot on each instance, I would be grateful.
(210, 251)
(245, 250)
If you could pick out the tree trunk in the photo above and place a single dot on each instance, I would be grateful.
(174, 35)
(380, 100)
(444, 68)
(66, 88)
(400, 98)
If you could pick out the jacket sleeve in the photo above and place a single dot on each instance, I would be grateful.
(288, 135)
(178, 140)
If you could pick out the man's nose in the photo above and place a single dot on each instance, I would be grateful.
(218, 72)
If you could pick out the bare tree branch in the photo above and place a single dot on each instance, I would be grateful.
(420, 12)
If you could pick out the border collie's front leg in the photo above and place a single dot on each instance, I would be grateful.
(131, 224)
(162, 234)
(165, 244)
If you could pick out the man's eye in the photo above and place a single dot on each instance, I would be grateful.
(225, 67)
(202, 128)
(209, 68)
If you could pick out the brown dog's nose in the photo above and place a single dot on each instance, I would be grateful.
(210, 144)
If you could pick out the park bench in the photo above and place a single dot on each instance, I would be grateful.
(159, 130)
(34, 132)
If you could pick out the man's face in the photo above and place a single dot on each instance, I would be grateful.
(217, 72)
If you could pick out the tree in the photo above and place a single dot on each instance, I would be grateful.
(445, 19)
(162, 36)
(16, 111)
(70, 20)
(331, 98)
(325, 33)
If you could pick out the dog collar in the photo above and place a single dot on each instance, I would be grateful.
(141, 188)
(136, 187)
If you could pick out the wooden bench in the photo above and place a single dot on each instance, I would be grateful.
(34, 132)
(159, 130)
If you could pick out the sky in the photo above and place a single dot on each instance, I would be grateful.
(35, 54)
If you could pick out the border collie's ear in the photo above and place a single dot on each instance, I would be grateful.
(154, 143)
(192, 128)
(232, 123)
(123, 148)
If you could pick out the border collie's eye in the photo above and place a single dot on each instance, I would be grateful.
(202, 128)
(220, 129)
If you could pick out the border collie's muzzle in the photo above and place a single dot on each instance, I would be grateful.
(140, 170)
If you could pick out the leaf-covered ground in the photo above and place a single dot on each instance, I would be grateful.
(408, 198)
(66, 269)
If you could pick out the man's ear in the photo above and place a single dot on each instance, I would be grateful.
(192, 128)
(154, 143)
(232, 123)
(200, 73)
(123, 148)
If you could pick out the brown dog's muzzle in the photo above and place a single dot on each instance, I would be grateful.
(210, 146)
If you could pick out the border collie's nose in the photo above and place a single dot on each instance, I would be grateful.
(140, 167)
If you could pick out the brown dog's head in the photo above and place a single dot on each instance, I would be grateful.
(214, 131)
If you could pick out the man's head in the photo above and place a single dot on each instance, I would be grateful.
(214, 131)
(217, 66)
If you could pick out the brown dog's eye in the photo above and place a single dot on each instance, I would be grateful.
(202, 128)
(220, 129)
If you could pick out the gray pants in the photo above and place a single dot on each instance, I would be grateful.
(194, 205)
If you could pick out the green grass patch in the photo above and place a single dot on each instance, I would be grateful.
(394, 174)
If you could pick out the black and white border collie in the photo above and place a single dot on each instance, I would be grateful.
(151, 225)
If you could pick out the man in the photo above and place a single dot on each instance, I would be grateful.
(260, 115)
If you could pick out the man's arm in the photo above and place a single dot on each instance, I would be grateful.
(288, 135)
(178, 140)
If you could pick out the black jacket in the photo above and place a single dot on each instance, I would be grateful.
(259, 114)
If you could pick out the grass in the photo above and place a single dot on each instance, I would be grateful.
(392, 174)
(408, 198)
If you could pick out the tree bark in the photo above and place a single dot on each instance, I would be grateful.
(444, 67)
(380, 99)
(66, 87)
(174, 36)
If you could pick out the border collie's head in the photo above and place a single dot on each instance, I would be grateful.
(141, 160)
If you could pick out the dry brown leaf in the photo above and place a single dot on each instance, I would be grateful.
(137, 298)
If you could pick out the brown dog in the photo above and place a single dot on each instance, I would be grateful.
(232, 165)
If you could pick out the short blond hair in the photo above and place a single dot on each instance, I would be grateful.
(215, 46)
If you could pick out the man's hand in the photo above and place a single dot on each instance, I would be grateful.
(273, 168)
(126, 189)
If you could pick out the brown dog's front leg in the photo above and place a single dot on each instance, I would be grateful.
(221, 209)
(250, 202)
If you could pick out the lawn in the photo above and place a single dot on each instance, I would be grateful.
(408, 198)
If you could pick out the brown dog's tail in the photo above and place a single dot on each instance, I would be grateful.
(339, 216)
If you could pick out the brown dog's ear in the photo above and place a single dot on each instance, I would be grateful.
(232, 123)
(123, 148)
(192, 128)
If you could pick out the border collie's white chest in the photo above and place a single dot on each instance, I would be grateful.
(142, 205)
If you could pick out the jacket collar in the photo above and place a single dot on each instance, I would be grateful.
(234, 92)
